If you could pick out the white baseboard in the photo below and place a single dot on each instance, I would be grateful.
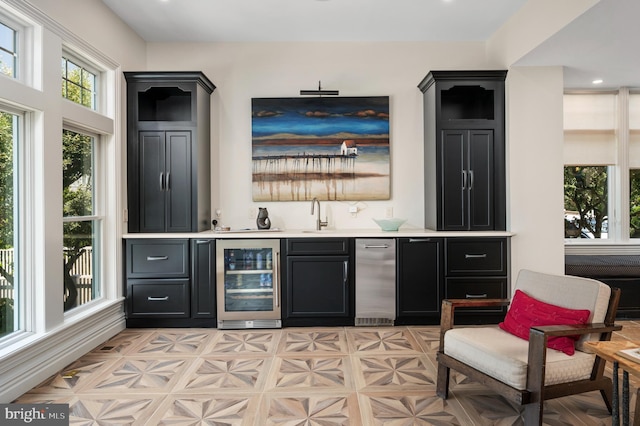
(27, 367)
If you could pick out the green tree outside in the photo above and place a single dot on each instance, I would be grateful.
(585, 192)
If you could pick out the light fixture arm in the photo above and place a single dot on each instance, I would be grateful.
(319, 92)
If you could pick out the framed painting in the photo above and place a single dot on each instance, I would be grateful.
(330, 148)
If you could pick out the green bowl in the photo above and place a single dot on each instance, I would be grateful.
(389, 224)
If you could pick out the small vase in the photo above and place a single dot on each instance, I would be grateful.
(263, 221)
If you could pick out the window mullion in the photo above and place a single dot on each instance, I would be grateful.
(620, 203)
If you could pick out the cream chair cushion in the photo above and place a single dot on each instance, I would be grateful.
(504, 356)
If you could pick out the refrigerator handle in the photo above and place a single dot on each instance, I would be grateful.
(276, 280)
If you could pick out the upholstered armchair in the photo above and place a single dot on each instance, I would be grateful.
(569, 310)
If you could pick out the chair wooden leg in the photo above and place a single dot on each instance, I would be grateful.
(533, 414)
(442, 385)
(607, 396)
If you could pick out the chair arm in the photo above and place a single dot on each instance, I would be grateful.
(449, 305)
(573, 329)
(538, 348)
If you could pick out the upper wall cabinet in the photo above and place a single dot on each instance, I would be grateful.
(464, 151)
(168, 151)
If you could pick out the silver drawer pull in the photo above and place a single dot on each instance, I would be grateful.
(475, 256)
(382, 246)
(476, 296)
(157, 299)
(419, 240)
(151, 258)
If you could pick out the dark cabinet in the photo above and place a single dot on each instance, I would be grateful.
(477, 268)
(420, 276)
(168, 151)
(464, 155)
(318, 282)
(203, 276)
(165, 181)
(170, 283)
(467, 179)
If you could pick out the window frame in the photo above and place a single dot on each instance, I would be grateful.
(25, 45)
(618, 208)
(98, 217)
(20, 262)
(85, 65)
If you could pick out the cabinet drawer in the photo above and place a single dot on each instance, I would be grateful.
(318, 246)
(165, 298)
(166, 258)
(480, 256)
(476, 288)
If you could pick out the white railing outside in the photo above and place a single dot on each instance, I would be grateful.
(81, 272)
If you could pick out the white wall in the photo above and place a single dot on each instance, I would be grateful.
(242, 71)
(535, 168)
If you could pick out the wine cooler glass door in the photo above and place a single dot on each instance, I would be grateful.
(248, 283)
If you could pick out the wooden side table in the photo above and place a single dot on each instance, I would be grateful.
(607, 350)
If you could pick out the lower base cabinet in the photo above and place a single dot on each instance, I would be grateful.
(170, 283)
(420, 275)
(433, 269)
(317, 282)
(477, 268)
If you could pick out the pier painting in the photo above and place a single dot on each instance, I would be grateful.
(331, 148)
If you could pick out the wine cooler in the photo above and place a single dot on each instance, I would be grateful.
(248, 283)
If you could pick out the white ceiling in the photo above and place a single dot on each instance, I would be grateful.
(598, 44)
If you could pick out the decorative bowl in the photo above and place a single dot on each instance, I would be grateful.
(390, 224)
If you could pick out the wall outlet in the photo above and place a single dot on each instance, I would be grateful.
(388, 213)
(353, 209)
(253, 212)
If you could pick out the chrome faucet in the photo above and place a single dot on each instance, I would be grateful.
(319, 223)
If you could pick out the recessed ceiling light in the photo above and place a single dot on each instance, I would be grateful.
(597, 81)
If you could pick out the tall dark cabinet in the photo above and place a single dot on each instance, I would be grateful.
(168, 151)
(464, 151)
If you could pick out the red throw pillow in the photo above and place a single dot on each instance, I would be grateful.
(526, 312)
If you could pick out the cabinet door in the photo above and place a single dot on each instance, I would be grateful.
(467, 181)
(419, 277)
(165, 181)
(317, 286)
(160, 298)
(178, 181)
(453, 175)
(477, 288)
(203, 278)
(480, 180)
(157, 258)
(151, 175)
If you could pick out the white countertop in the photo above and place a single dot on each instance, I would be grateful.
(325, 233)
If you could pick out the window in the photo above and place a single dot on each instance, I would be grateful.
(78, 83)
(8, 50)
(585, 202)
(591, 143)
(82, 227)
(8, 252)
